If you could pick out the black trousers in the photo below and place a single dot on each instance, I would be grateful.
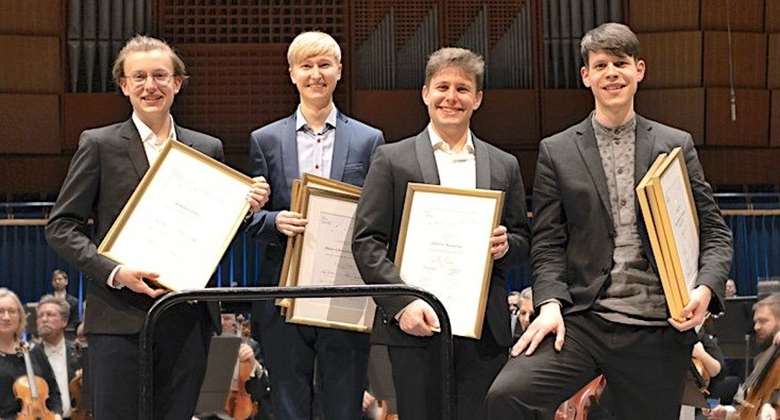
(181, 341)
(417, 377)
(644, 368)
(290, 351)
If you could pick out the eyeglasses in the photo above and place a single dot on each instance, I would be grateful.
(9, 311)
(160, 78)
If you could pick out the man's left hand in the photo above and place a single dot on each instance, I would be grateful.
(694, 312)
(259, 194)
(499, 243)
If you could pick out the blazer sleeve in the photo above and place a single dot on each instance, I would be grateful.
(262, 225)
(67, 225)
(373, 231)
(548, 234)
(515, 219)
(715, 241)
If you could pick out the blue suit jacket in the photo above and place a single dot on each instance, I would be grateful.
(273, 154)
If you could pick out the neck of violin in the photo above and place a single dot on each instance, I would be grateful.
(30, 372)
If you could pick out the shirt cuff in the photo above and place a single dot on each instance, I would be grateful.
(110, 280)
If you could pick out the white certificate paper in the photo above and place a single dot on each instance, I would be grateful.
(444, 248)
(181, 218)
(326, 260)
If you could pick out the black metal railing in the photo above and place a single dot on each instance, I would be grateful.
(245, 294)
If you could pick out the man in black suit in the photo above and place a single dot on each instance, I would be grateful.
(592, 260)
(59, 284)
(105, 170)
(51, 317)
(445, 153)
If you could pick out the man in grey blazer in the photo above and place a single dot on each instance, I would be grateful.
(317, 139)
(445, 153)
(600, 302)
(105, 170)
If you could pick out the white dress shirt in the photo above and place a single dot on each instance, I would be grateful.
(457, 169)
(58, 359)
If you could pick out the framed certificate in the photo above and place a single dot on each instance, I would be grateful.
(180, 219)
(444, 247)
(669, 211)
(322, 256)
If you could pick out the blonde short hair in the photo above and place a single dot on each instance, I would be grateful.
(310, 44)
(143, 43)
(22, 315)
(468, 61)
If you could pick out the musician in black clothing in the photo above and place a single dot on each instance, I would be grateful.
(12, 365)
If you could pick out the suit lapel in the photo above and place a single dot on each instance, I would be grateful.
(482, 163)
(586, 143)
(424, 152)
(643, 156)
(182, 139)
(290, 151)
(135, 148)
(340, 147)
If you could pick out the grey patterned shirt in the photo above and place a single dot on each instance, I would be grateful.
(633, 293)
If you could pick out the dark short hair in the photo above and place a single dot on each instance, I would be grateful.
(466, 60)
(614, 38)
(772, 302)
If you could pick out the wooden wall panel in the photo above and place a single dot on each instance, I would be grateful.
(562, 108)
(82, 111)
(398, 113)
(680, 108)
(508, 118)
(32, 174)
(741, 166)
(774, 124)
(745, 15)
(673, 59)
(29, 124)
(752, 125)
(663, 15)
(31, 64)
(31, 17)
(527, 161)
(749, 52)
(772, 16)
(773, 68)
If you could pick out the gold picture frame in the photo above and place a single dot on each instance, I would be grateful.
(180, 219)
(444, 247)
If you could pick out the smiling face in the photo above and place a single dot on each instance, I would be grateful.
(149, 81)
(10, 317)
(316, 78)
(451, 97)
(613, 80)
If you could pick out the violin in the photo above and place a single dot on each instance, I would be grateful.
(239, 404)
(578, 406)
(758, 387)
(32, 391)
(77, 412)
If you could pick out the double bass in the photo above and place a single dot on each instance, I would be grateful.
(758, 387)
(32, 391)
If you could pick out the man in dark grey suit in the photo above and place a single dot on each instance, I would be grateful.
(105, 170)
(592, 260)
(317, 139)
(445, 153)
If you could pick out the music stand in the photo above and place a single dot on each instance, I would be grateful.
(223, 355)
(734, 329)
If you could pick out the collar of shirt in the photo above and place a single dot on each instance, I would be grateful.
(54, 348)
(330, 121)
(602, 130)
(148, 136)
(439, 144)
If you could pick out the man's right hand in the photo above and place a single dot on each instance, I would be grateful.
(419, 319)
(133, 280)
(549, 320)
(290, 223)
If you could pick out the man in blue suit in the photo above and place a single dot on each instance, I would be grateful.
(317, 139)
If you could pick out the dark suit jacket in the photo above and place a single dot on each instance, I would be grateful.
(378, 221)
(273, 153)
(573, 233)
(105, 170)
